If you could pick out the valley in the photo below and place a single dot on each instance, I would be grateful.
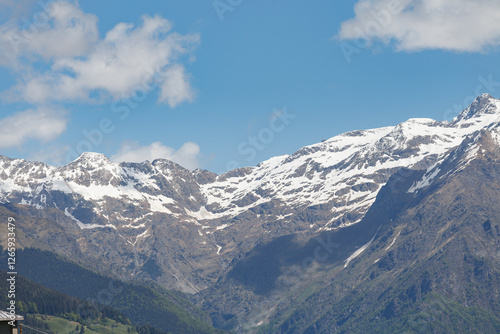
(384, 228)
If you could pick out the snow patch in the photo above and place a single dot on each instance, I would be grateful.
(425, 181)
(393, 241)
(83, 226)
(359, 251)
(219, 228)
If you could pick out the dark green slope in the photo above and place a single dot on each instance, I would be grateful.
(142, 304)
(34, 300)
(32, 297)
(441, 274)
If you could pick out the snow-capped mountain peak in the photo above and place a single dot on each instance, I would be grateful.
(344, 172)
(91, 160)
(482, 106)
(328, 185)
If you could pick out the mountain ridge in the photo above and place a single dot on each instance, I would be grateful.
(147, 207)
(433, 262)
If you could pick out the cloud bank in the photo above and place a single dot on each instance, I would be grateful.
(41, 124)
(413, 25)
(187, 155)
(82, 66)
(59, 57)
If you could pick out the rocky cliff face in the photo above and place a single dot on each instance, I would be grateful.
(433, 265)
(426, 253)
(183, 229)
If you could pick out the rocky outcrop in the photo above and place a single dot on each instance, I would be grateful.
(183, 229)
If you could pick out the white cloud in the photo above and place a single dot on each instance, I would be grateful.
(54, 155)
(455, 25)
(187, 155)
(175, 88)
(59, 29)
(42, 124)
(70, 32)
(80, 65)
(14, 9)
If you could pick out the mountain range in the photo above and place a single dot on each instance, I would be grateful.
(388, 229)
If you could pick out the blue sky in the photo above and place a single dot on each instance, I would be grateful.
(230, 83)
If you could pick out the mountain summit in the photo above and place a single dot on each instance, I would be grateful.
(482, 106)
(163, 222)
